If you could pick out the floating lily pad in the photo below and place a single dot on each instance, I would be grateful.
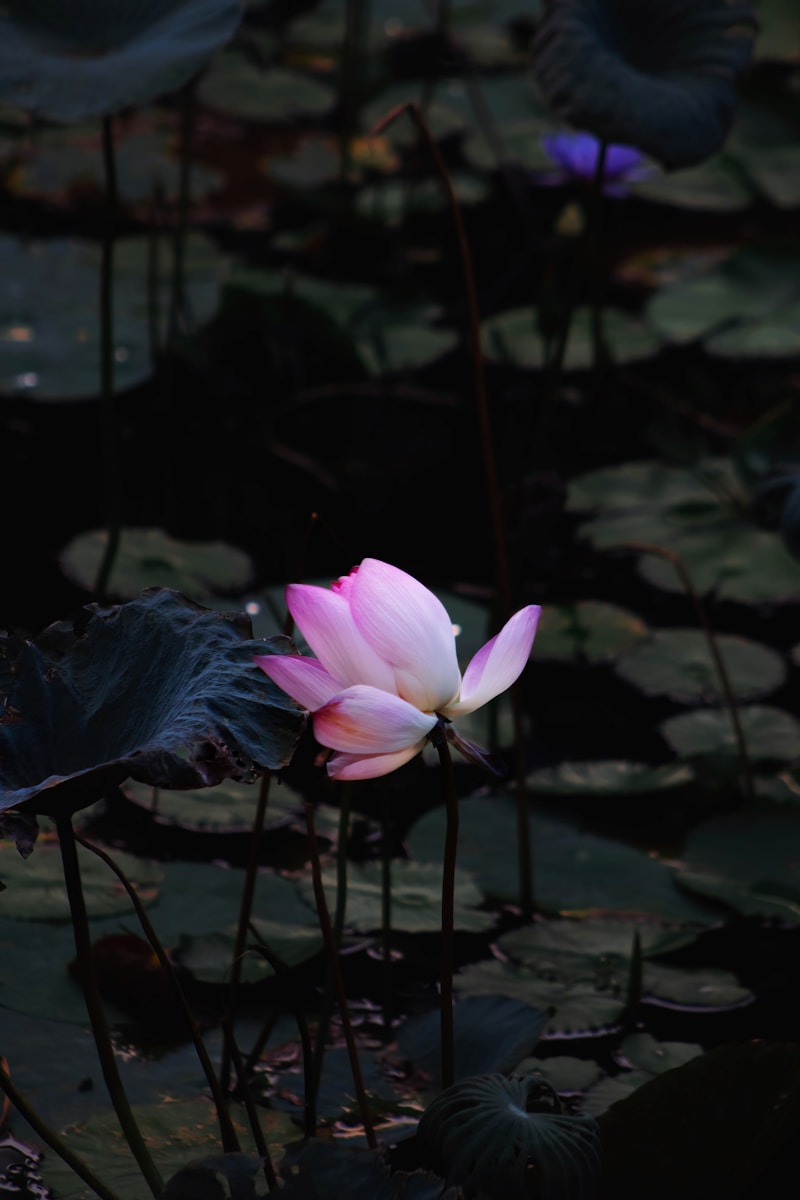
(587, 630)
(241, 88)
(87, 63)
(520, 143)
(405, 347)
(393, 200)
(562, 1072)
(678, 663)
(35, 888)
(578, 1007)
(608, 778)
(514, 338)
(229, 807)
(748, 860)
(646, 1058)
(151, 558)
(714, 186)
(734, 560)
(575, 872)
(50, 333)
(770, 734)
(176, 1132)
(416, 898)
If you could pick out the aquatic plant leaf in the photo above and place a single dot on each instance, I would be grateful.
(151, 558)
(491, 1033)
(771, 735)
(93, 58)
(589, 630)
(486, 1132)
(678, 663)
(217, 1177)
(35, 888)
(158, 690)
(747, 859)
(676, 1131)
(240, 88)
(713, 186)
(609, 777)
(575, 1007)
(656, 74)
(514, 338)
(577, 871)
(230, 807)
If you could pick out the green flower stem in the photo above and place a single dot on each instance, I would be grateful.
(94, 1005)
(333, 958)
(448, 903)
(326, 1006)
(51, 1138)
(108, 414)
(245, 914)
(673, 557)
(230, 1142)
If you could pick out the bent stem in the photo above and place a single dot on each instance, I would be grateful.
(51, 1138)
(673, 557)
(230, 1142)
(94, 1006)
(439, 740)
(333, 958)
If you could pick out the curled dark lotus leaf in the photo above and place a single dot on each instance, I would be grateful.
(656, 74)
(76, 61)
(506, 1138)
(159, 690)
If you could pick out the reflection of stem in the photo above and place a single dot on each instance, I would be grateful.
(448, 904)
(94, 1006)
(250, 1107)
(333, 958)
(716, 655)
(108, 415)
(245, 914)
(230, 1142)
(51, 1138)
(310, 1088)
(326, 1006)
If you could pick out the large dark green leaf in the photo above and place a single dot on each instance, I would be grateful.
(89, 58)
(159, 690)
(678, 663)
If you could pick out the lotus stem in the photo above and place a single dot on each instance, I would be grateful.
(326, 1005)
(333, 958)
(94, 1005)
(448, 905)
(252, 1111)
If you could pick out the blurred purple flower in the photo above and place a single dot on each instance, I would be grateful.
(577, 154)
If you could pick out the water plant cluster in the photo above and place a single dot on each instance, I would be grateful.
(381, 380)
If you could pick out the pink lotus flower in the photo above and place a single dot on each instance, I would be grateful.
(386, 671)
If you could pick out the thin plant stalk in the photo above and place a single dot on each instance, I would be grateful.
(94, 1005)
(333, 957)
(599, 348)
(678, 563)
(177, 308)
(230, 1142)
(51, 1138)
(502, 567)
(386, 912)
(250, 1107)
(109, 434)
(354, 55)
(326, 1006)
(245, 915)
(448, 905)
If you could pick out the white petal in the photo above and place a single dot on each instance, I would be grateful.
(304, 679)
(497, 664)
(407, 626)
(364, 720)
(327, 624)
(370, 766)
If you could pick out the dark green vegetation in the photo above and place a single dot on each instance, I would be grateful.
(291, 386)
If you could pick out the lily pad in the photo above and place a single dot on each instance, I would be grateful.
(608, 778)
(35, 888)
(416, 898)
(151, 558)
(747, 860)
(50, 334)
(514, 338)
(576, 1007)
(240, 88)
(229, 807)
(771, 734)
(678, 663)
(714, 186)
(87, 63)
(575, 872)
(87, 716)
(587, 630)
